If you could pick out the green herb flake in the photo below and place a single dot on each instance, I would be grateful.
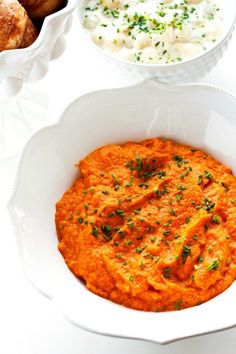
(161, 174)
(186, 251)
(128, 242)
(139, 163)
(140, 237)
(200, 180)
(208, 175)
(106, 229)
(178, 197)
(213, 266)
(95, 232)
(181, 188)
(167, 272)
(187, 220)
(215, 219)
(130, 224)
(80, 220)
(208, 205)
(120, 213)
(178, 305)
(172, 211)
(185, 173)
(178, 159)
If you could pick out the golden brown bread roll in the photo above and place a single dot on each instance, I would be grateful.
(16, 29)
(38, 9)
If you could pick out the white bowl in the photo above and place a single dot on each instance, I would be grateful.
(199, 115)
(186, 71)
(31, 64)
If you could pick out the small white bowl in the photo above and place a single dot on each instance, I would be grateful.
(180, 72)
(198, 115)
(31, 64)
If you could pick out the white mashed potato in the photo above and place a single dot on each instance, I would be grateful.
(154, 31)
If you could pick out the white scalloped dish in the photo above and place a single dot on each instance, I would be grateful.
(199, 115)
(178, 72)
(31, 64)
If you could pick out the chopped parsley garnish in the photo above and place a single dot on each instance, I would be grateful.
(208, 205)
(178, 159)
(187, 219)
(139, 163)
(172, 211)
(178, 305)
(80, 220)
(213, 266)
(200, 179)
(186, 251)
(130, 224)
(181, 188)
(131, 278)
(215, 219)
(208, 175)
(106, 229)
(129, 164)
(120, 213)
(128, 242)
(185, 173)
(140, 237)
(167, 272)
(161, 174)
(178, 197)
(95, 232)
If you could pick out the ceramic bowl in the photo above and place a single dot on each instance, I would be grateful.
(180, 72)
(31, 64)
(199, 115)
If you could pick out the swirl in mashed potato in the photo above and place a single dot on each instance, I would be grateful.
(154, 31)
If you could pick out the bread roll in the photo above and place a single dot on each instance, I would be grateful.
(38, 9)
(16, 29)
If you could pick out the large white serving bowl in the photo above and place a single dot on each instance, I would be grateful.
(199, 115)
(180, 72)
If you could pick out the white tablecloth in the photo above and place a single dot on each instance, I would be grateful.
(29, 323)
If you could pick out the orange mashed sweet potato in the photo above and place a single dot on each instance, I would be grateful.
(150, 225)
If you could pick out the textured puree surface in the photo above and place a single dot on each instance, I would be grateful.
(150, 225)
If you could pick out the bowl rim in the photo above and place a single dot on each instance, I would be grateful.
(141, 66)
(12, 203)
(11, 53)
